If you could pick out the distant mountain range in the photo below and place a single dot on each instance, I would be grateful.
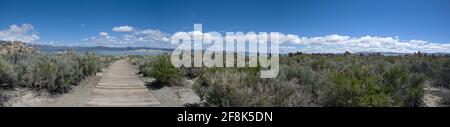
(151, 51)
(102, 50)
(399, 54)
(97, 49)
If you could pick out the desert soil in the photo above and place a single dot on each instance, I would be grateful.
(433, 96)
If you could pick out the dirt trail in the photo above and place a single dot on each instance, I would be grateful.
(120, 86)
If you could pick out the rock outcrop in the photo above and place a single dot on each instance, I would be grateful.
(9, 47)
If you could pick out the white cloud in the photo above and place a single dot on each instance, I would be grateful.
(131, 37)
(123, 29)
(152, 35)
(24, 33)
(334, 43)
(292, 38)
(288, 42)
(103, 34)
(337, 43)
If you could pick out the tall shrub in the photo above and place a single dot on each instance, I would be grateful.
(164, 72)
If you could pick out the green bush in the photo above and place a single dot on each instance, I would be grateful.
(105, 61)
(236, 87)
(145, 68)
(304, 77)
(360, 87)
(67, 75)
(442, 77)
(24, 69)
(164, 72)
(354, 87)
(54, 73)
(144, 64)
(224, 87)
(45, 75)
(405, 88)
(281, 92)
(313, 80)
(5, 74)
(89, 64)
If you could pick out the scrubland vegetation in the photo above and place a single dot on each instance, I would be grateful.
(158, 67)
(312, 80)
(53, 73)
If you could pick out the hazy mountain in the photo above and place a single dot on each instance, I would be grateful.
(102, 50)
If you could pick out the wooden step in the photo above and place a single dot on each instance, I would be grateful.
(121, 87)
(109, 104)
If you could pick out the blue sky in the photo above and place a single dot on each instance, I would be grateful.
(76, 21)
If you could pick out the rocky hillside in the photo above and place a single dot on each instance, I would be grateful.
(8, 47)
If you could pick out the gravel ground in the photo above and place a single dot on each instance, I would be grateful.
(77, 97)
(435, 96)
(174, 96)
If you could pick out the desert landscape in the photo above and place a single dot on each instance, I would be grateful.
(257, 63)
(224, 53)
(109, 81)
(31, 78)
